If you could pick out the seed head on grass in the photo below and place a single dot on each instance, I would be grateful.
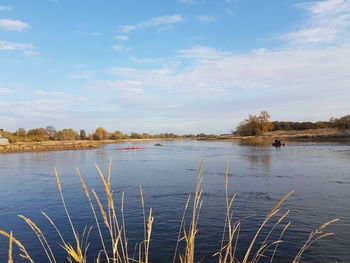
(24, 254)
(117, 232)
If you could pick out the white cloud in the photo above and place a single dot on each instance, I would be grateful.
(141, 73)
(214, 82)
(121, 48)
(30, 53)
(12, 25)
(5, 45)
(49, 109)
(201, 52)
(94, 34)
(205, 18)
(206, 88)
(329, 22)
(78, 76)
(315, 35)
(80, 66)
(5, 8)
(82, 98)
(6, 91)
(156, 21)
(53, 93)
(128, 86)
(40, 92)
(121, 38)
(148, 60)
(57, 93)
(329, 7)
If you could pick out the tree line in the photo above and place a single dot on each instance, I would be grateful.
(51, 134)
(256, 125)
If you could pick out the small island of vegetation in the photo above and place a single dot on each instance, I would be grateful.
(260, 126)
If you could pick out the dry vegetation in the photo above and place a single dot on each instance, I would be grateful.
(108, 216)
(48, 146)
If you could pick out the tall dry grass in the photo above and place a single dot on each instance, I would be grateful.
(113, 219)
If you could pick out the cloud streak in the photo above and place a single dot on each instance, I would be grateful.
(154, 22)
(329, 22)
(205, 18)
(5, 8)
(6, 45)
(308, 74)
(53, 93)
(121, 48)
(121, 38)
(6, 91)
(12, 25)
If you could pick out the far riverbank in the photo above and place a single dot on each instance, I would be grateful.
(63, 145)
(315, 135)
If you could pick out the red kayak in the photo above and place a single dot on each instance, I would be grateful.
(131, 148)
(278, 144)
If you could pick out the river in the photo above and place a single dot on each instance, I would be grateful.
(260, 175)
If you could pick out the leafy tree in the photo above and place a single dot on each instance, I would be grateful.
(264, 124)
(135, 135)
(342, 123)
(117, 135)
(82, 135)
(146, 135)
(254, 125)
(51, 131)
(21, 132)
(100, 134)
(248, 127)
(37, 132)
(67, 135)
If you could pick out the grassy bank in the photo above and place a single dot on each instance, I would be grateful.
(327, 134)
(113, 241)
(47, 146)
(64, 145)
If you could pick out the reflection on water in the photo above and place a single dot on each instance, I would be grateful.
(257, 156)
(256, 143)
(259, 174)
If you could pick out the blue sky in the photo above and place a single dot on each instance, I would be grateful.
(183, 66)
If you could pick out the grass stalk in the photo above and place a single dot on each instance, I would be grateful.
(116, 232)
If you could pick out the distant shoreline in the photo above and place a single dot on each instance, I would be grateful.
(63, 145)
(298, 136)
(91, 144)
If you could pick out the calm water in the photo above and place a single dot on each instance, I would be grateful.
(259, 175)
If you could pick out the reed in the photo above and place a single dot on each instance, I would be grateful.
(108, 216)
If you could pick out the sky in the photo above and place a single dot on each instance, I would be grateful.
(181, 66)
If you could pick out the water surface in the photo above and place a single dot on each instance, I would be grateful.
(259, 175)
